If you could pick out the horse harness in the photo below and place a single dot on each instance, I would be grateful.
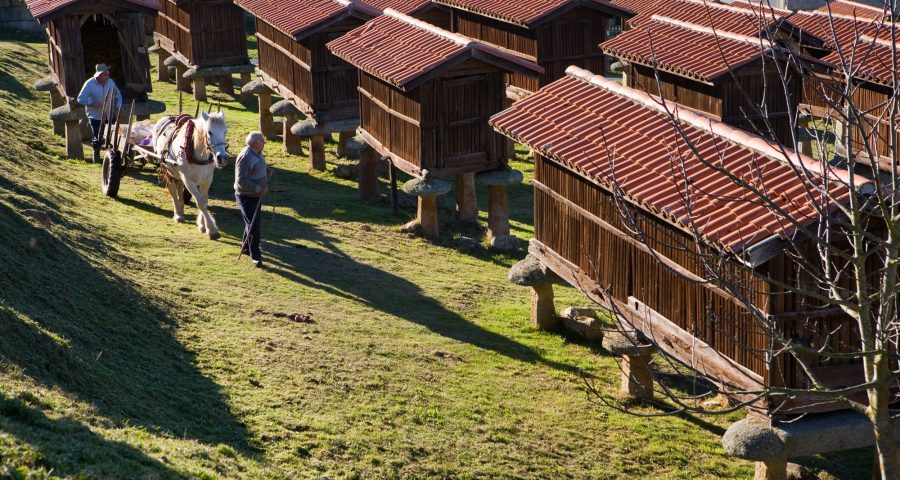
(184, 122)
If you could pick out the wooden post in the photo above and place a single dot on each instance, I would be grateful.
(543, 309)
(466, 199)
(317, 153)
(637, 379)
(245, 79)
(74, 147)
(266, 119)
(771, 470)
(200, 88)
(368, 175)
(292, 143)
(343, 138)
(226, 84)
(184, 84)
(57, 100)
(427, 215)
(162, 71)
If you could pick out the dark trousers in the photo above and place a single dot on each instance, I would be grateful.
(95, 131)
(251, 212)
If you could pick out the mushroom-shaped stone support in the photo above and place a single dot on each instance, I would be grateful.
(47, 84)
(636, 352)
(531, 273)
(183, 84)
(427, 189)
(199, 84)
(246, 77)
(70, 115)
(343, 138)
(497, 182)
(286, 109)
(143, 110)
(772, 444)
(264, 94)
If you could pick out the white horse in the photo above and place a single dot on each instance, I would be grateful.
(189, 163)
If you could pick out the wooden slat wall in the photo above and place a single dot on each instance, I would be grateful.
(379, 104)
(219, 34)
(692, 94)
(615, 263)
(572, 39)
(285, 60)
(512, 37)
(872, 100)
(173, 24)
(743, 94)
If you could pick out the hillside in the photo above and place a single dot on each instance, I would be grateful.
(133, 347)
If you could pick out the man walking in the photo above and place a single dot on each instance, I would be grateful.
(251, 182)
(92, 96)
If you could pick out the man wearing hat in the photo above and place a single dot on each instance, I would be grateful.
(92, 94)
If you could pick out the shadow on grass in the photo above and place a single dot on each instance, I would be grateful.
(89, 454)
(332, 271)
(76, 326)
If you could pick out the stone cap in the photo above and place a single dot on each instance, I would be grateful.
(146, 108)
(283, 108)
(255, 87)
(426, 187)
(67, 113)
(45, 84)
(500, 177)
(621, 343)
(529, 272)
(355, 147)
(755, 439)
(310, 128)
(220, 70)
(172, 61)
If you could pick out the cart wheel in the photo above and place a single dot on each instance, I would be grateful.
(111, 174)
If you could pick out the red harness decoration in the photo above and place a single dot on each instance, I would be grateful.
(188, 122)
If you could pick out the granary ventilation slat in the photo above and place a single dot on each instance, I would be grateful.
(614, 134)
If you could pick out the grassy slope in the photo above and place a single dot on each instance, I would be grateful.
(134, 347)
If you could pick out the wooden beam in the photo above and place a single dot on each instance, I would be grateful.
(386, 108)
(271, 43)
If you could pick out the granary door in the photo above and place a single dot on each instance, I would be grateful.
(466, 105)
(135, 59)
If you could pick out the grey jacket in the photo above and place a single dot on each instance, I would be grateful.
(250, 173)
(92, 92)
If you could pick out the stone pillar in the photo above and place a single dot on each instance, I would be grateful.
(246, 96)
(531, 273)
(368, 175)
(226, 84)
(427, 189)
(184, 84)
(805, 137)
(162, 70)
(266, 119)
(292, 143)
(343, 138)
(74, 148)
(85, 125)
(636, 353)
(497, 182)
(317, 153)
(57, 100)
(200, 88)
(771, 470)
(466, 199)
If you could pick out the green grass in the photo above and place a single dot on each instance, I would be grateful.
(133, 347)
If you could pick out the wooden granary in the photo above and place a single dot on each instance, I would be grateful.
(295, 64)
(83, 33)
(736, 81)
(425, 98)
(201, 39)
(552, 33)
(603, 149)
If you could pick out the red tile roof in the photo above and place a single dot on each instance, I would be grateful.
(727, 18)
(853, 9)
(636, 6)
(528, 13)
(400, 49)
(685, 49)
(868, 59)
(42, 9)
(837, 29)
(622, 138)
(764, 7)
(300, 17)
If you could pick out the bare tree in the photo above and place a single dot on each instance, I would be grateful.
(843, 258)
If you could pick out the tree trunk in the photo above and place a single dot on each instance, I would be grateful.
(880, 416)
